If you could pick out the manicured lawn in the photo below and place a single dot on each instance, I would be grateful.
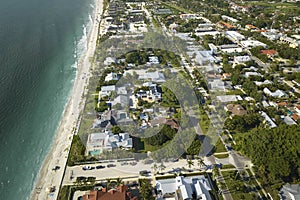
(236, 186)
(152, 148)
(220, 156)
(219, 147)
(229, 166)
(204, 122)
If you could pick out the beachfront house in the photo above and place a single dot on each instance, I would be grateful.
(107, 141)
(106, 90)
(184, 188)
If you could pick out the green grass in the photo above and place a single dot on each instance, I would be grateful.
(148, 147)
(204, 122)
(236, 186)
(235, 92)
(228, 166)
(67, 191)
(220, 156)
(194, 174)
(64, 193)
(180, 9)
(219, 147)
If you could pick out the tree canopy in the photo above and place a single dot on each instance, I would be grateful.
(275, 152)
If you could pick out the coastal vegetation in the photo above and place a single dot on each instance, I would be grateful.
(275, 154)
(145, 189)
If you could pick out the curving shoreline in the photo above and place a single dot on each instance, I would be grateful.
(60, 147)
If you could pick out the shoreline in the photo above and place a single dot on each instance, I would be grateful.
(60, 147)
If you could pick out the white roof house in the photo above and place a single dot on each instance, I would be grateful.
(271, 35)
(157, 77)
(212, 33)
(216, 84)
(265, 104)
(268, 120)
(204, 57)
(225, 17)
(288, 120)
(184, 187)
(277, 93)
(153, 60)
(109, 60)
(123, 100)
(106, 90)
(290, 192)
(153, 76)
(234, 36)
(98, 142)
(229, 98)
(266, 82)
(112, 77)
(230, 48)
(252, 43)
(241, 59)
(248, 74)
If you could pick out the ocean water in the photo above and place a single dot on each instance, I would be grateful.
(40, 41)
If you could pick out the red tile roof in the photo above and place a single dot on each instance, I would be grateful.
(121, 193)
(295, 117)
(282, 103)
(228, 26)
(269, 52)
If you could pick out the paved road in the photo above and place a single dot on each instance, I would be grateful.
(122, 171)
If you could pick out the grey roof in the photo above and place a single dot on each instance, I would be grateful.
(290, 192)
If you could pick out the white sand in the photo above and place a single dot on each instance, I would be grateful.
(61, 145)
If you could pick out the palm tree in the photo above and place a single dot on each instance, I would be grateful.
(162, 166)
(119, 181)
(155, 167)
(201, 162)
(108, 182)
(190, 163)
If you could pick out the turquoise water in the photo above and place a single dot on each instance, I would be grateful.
(94, 152)
(39, 43)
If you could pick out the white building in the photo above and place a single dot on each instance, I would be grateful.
(297, 109)
(268, 120)
(271, 35)
(253, 43)
(292, 42)
(109, 61)
(153, 60)
(234, 36)
(216, 84)
(229, 98)
(230, 48)
(106, 90)
(99, 142)
(277, 93)
(248, 74)
(288, 120)
(112, 77)
(227, 18)
(290, 192)
(241, 59)
(265, 82)
(156, 77)
(184, 188)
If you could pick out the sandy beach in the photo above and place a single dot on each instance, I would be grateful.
(59, 151)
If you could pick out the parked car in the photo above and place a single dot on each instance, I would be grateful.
(133, 163)
(100, 166)
(124, 163)
(87, 167)
(144, 172)
(110, 165)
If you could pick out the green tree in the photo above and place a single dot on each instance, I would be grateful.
(190, 163)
